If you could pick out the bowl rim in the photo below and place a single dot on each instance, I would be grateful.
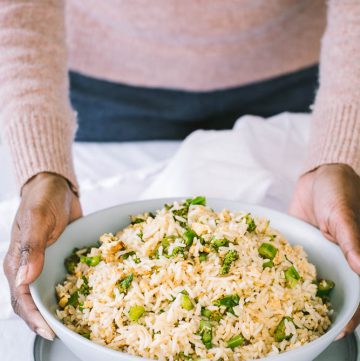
(329, 335)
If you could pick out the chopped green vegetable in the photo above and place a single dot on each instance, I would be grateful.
(211, 315)
(85, 289)
(229, 301)
(186, 303)
(125, 283)
(91, 261)
(71, 262)
(324, 288)
(280, 331)
(136, 312)
(268, 251)
(205, 330)
(189, 236)
(127, 255)
(230, 257)
(86, 335)
(74, 299)
(165, 242)
(137, 220)
(203, 256)
(197, 201)
(268, 264)
(177, 250)
(250, 222)
(217, 243)
(130, 254)
(183, 357)
(141, 235)
(205, 312)
(236, 341)
(292, 276)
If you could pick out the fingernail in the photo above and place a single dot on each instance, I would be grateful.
(21, 275)
(49, 335)
(342, 335)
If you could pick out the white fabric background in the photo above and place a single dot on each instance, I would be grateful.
(256, 162)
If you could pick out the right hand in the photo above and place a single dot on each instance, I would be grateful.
(47, 206)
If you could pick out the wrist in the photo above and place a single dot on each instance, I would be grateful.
(45, 178)
(341, 167)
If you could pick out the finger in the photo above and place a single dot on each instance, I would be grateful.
(24, 263)
(32, 235)
(21, 299)
(347, 235)
(351, 326)
(25, 307)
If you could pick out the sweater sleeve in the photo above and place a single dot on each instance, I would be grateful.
(37, 122)
(335, 135)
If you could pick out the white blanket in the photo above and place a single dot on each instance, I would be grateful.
(257, 162)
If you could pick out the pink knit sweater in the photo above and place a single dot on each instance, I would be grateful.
(190, 44)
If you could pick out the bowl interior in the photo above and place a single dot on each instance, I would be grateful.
(326, 256)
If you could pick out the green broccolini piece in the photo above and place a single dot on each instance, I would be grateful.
(186, 302)
(136, 312)
(236, 341)
(230, 257)
(203, 256)
(324, 288)
(189, 236)
(74, 299)
(177, 250)
(211, 315)
(229, 301)
(130, 254)
(205, 330)
(268, 251)
(292, 276)
(85, 289)
(86, 335)
(197, 201)
(280, 331)
(205, 312)
(217, 243)
(183, 357)
(250, 222)
(135, 220)
(268, 264)
(91, 261)
(71, 262)
(127, 255)
(125, 283)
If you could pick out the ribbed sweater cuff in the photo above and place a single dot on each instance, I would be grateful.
(335, 137)
(41, 142)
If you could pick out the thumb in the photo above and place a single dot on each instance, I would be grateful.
(31, 260)
(32, 240)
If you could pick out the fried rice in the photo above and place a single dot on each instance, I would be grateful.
(190, 283)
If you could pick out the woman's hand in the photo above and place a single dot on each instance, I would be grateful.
(47, 206)
(329, 198)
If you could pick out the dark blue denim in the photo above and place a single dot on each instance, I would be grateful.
(117, 112)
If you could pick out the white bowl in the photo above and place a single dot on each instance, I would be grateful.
(327, 257)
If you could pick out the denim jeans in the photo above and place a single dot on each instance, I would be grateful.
(118, 112)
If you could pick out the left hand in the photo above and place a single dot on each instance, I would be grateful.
(329, 198)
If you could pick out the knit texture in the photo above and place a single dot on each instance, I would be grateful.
(335, 133)
(34, 133)
(37, 122)
(192, 45)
